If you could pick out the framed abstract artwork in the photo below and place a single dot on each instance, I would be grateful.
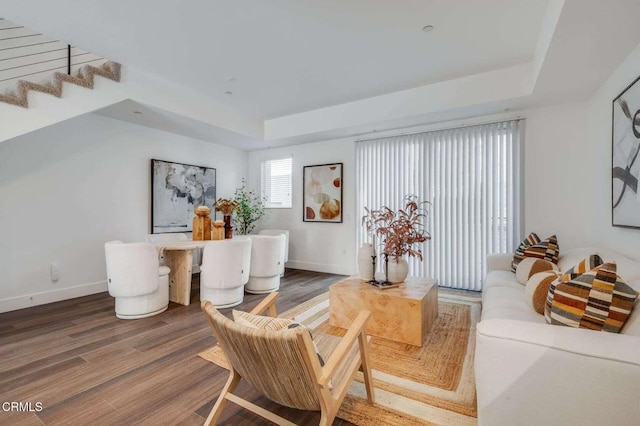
(322, 193)
(176, 190)
(625, 164)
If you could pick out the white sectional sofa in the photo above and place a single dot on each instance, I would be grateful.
(529, 372)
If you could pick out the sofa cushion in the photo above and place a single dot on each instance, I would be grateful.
(499, 278)
(531, 266)
(585, 265)
(508, 303)
(519, 253)
(546, 249)
(596, 300)
(537, 289)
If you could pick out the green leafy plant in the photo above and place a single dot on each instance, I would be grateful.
(400, 230)
(250, 209)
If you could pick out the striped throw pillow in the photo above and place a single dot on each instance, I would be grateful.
(583, 266)
(260, 321)
(597, 300)
(519, 254)
(532, 246)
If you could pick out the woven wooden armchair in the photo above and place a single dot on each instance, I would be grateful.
(284, 366)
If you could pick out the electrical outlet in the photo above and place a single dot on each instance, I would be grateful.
(54, 269)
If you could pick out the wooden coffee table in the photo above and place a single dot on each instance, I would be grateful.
(403, 314)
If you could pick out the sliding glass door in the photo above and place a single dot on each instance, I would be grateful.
(471, 175)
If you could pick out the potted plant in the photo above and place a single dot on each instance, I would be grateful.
(250, 209)
(401, 231)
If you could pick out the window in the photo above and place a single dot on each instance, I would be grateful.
(276, 183)
(470, 175)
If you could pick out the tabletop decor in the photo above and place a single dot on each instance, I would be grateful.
(176, 190)
(250, 209)
(227, 208)
(322, 193)
(625, 164)
(401, 231)
(201, 224)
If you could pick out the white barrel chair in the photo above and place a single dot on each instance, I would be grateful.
(176, 236)
(225, 271)
(266, 261)
(138, 282)
(284, 232)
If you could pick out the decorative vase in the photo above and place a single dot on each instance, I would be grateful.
(365, 261)
(228, 229)
(397, 270)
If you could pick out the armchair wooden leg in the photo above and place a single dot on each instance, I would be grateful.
(325, 419)
(363, 342)
(230, 386)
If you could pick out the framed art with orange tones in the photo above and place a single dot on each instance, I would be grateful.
(322, 193)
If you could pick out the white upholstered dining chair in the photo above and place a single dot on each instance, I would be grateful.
(285, 256)
(136, 280)
(225, 271)
(266, 261)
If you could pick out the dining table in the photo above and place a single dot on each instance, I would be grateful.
(178, 256)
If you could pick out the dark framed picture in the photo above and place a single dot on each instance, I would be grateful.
(176, 190)
(322, 193)
(625, 164)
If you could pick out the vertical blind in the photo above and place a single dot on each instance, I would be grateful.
(276, 183)
(471, 177)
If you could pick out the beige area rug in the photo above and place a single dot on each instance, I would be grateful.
(429, 385)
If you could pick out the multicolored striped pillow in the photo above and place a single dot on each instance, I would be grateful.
(583, 266)
(532, 246)
(597, 300)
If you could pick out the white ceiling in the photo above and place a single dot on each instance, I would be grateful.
(314, 70)
(291, 56)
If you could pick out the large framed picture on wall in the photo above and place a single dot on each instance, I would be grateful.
(625, 167)
(176, 190)
(322, 193)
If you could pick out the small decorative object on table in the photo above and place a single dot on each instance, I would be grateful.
(227, 207)
(400, 231)
(201, 224)
(217, 233)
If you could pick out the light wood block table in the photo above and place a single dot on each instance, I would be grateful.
(403, 314)
(178, 256)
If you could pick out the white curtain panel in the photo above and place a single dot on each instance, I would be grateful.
(471, 175)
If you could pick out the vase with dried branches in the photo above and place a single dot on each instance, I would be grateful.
(227, 207)
(401, 232)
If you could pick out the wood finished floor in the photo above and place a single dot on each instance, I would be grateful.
(87, 367)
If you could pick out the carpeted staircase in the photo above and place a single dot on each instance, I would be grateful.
(83, 77)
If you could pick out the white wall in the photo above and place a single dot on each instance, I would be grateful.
(69, 188)
(568, 169)
(567, 181)
(323, 247)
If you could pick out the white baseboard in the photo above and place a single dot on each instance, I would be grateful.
(35, 299)
(320, 267)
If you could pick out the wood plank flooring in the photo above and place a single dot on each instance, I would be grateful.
(87, 367)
